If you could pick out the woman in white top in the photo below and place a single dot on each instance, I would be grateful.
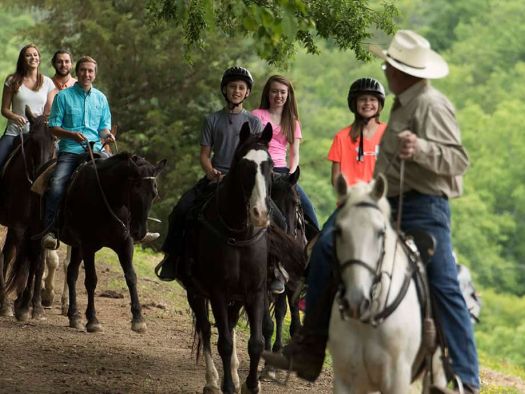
(26, 86)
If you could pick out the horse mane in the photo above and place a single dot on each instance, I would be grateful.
(113, 160)
(282, 247)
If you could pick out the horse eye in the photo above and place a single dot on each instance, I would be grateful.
(338, 231)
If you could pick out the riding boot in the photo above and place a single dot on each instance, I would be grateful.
(306, 351)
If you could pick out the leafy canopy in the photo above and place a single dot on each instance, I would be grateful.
(275, 27)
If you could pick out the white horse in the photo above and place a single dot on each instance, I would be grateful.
(48, 281)
(373, 343)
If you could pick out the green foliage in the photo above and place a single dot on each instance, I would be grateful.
(275, 27)
(10, 45)
(501, 334)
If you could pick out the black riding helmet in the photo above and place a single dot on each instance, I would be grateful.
(365, 86)
(236, 73)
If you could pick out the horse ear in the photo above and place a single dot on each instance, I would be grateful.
(380, 187)
(267, 133)
(245, 132)
(160, 166)
(29, 114)
(294, 177)
(341, 187)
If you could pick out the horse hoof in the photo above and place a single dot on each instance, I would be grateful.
(268, 374)
(139, 326)
(246, 390)
(39, 314)
(75, 323)
(22, 315)
(93, 327)
(211, 390)
(6, 311)
(47, 298)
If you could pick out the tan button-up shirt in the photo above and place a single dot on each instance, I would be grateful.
(438, 165)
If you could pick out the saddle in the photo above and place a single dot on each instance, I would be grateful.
(47, 169)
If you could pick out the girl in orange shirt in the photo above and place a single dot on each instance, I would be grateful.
(354, 148)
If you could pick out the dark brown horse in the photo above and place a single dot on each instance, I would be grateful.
(17, 205)
(286, 198)
(106, 205)
(229, 261)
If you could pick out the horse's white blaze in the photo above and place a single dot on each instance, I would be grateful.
(258, 208)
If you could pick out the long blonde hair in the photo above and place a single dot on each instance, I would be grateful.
(290, 115)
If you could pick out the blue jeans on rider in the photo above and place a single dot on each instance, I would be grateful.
(432, 214)
(67, 163)
(7, 143)
(308, 208)
(320, 273)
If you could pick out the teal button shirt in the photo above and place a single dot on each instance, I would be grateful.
(74, 109)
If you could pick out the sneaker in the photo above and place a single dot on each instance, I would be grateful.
(277, 286)
(49, 241)
(149, 237)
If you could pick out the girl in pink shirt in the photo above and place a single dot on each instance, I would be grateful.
(279, 108)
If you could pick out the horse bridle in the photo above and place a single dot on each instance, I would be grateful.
(377, 273)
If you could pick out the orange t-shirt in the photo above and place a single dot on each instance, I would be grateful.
(344, 151)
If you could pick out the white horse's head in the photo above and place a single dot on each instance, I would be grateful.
(361, 228)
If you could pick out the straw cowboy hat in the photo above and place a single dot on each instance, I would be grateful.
(411, 53)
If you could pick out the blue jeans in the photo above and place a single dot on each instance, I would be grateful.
(320, 273)
(7, 143)
(308, 208)
(432, 214)
(67, 163)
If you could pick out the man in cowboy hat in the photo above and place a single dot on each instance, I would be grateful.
(422, 147)
(422, 132)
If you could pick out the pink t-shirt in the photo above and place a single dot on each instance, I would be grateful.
(279, 144)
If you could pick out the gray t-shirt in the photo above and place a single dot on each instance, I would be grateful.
(221, 132)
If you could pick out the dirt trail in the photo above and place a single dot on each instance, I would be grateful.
(49, 357)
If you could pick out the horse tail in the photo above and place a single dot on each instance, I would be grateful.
(198, 343)
(18, 272)
(285, 249)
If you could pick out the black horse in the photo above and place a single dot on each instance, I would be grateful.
(18, 203)
(228, 253)
(286, 198)
(106, 205)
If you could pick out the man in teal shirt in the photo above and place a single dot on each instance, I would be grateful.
(79, 115)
